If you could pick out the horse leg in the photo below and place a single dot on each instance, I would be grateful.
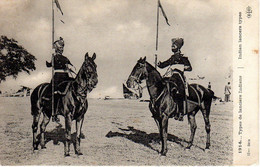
(44, 124)
(79, 123)
(205, 113)
(82, 136)
(157, 123)
(193, 127)
(67, 135)
(34, 129)
(164, 134)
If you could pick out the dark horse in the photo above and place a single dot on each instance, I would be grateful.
(163, 104)
(71, 103)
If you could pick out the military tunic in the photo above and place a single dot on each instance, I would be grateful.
(60, 69)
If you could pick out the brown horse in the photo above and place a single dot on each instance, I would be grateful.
(72, 104)
(163, 103)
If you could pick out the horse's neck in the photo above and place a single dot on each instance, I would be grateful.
(154, 81)
(79, 82)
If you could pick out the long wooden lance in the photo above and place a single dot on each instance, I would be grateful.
(159, 5)
(52, 61)
(157, 32)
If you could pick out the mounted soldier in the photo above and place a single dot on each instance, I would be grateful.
(61, 70)
(177, 65)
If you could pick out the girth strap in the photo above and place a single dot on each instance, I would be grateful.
(199, 102)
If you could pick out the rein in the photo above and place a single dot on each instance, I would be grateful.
(81, 90)
(153, 100)
(137, 81)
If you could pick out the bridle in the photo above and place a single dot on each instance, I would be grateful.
(83, 89)
(137, 80)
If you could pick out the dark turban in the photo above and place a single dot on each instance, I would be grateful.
(178, 42)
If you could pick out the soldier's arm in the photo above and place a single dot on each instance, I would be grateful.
(187, 65)
(170, 61)
(68, 61)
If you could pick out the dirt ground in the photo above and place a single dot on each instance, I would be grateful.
(117, 132)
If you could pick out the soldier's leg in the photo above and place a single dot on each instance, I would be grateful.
(183, 102)
(183, 108)
(54, 114)
(47, 93)
(179, 114)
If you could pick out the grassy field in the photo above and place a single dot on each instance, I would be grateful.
(117, 132)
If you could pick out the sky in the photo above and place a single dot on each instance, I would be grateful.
(120, 32)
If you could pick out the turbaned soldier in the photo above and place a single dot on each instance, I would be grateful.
(61, 69)
(178, 64)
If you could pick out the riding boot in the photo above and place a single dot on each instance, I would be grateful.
(180, 108)
(47, 96)
(54, 113)
(176, 117)
(182, 112)
(184, 102)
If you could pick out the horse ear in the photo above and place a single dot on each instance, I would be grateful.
(144, 59)
(94, 56)
(86, 55)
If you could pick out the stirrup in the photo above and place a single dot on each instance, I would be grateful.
(176, 116)
(181, 117)
(46, 98)
(55, 119)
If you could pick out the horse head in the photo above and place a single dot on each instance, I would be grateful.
(138, 74)
(88, 73)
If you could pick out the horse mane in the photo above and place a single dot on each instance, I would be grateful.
(151, 69)
(79, 72)
(80, 81)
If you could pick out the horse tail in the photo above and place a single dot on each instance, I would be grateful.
(206, 94)
(215, 97)
(35, 98)
(212, 94)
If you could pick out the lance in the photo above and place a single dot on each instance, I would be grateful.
(157, 32)
(157, 28)
(52, 61)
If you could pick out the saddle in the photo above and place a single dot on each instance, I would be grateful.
(178, 89)
(177, 86)
(61, 90)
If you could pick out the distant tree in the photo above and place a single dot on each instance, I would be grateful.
(14, 59)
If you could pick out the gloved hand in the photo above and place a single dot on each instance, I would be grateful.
(159, 63)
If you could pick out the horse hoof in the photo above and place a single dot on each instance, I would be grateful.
(67, 154)
(206, 150)
(163, 154)
(43, 147)
(82, 136)
(79, 153)
(187, 148)
(35, 149)
(207, 146)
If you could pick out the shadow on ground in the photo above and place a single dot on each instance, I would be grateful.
(57, 135)
(143, 138)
